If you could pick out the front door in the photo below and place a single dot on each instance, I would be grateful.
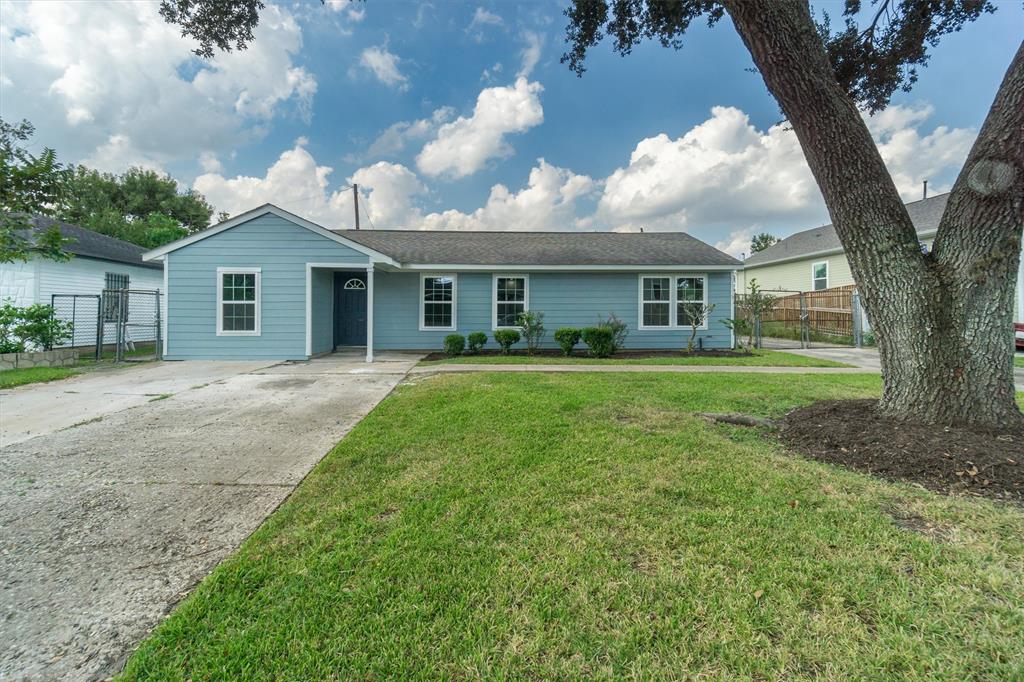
(349, 309)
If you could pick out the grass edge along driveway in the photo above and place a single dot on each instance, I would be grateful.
(9, 378)
(758, 358)
(566, 526)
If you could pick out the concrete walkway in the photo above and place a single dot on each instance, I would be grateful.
(109, 524)
(670, 369)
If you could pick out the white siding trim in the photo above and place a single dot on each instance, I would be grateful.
(455, 301)
(369, 311)
(256, 213)
(518, 269)
(494, 296)
(220, 300)
(167, 301)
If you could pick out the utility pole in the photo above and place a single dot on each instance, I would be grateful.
(355, 202)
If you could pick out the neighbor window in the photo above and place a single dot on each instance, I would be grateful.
(689, 290)
(657, 302)
(114, 281)
(511, 296)
(819, 276)
(238, 302)
(437, 302)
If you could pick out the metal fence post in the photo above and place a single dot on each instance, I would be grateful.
(805, 325)
(855, 313)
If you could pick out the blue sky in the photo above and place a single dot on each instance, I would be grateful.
(442, 111)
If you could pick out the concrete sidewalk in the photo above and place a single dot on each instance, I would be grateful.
(670, 369)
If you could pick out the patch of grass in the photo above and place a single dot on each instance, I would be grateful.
(588, 526)
(758, 358)
(1018, 360)
(33, 375)
(162, 396)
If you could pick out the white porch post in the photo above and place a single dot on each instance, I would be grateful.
(369, 313)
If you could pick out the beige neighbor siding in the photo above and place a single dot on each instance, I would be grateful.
(796, 276)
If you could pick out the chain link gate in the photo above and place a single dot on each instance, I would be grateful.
(82, 311)
(807, 319)
(131, 320)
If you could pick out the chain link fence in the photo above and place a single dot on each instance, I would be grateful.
(125, 324)
(803, 319)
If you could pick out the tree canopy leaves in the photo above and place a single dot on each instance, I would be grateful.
(762, 241)
(29, 185)
(875, 52)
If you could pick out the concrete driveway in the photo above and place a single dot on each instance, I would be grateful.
(108, 524)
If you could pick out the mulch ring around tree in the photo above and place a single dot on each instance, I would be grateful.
(947, 460)
(620, 355)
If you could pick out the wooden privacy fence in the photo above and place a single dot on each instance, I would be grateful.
(829, 311)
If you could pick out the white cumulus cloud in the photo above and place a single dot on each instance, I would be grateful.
(384, 66)
(465, 145)
(113, 83)
(397, 136)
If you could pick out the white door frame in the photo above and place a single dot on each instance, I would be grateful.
(369, 302)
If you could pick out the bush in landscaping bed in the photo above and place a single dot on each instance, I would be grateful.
(600, 341)
(32, 328)
(477, 340)
(567, 338)
(619, 330)
(506, 338)
(531, 324)
(454, 344)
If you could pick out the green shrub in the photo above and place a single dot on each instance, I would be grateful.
(506, 338)
(531, 324)
(454, 344)
(30, 328)
(567, 338)
(619, 331)
(600, 341)
(477, 340)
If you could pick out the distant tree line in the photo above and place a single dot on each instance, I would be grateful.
(140, 206)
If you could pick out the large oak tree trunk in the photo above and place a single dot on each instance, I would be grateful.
(943, 319)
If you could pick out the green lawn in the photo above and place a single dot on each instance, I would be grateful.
(19, 377)
(760, 358)
(1018, 360)
(587, 526)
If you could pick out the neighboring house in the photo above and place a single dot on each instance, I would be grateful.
(814, 259)
(99, 262)
(269, 284)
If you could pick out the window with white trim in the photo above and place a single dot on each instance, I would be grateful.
(511, 298)
(238, 302)
(355, 284)
(819, 276)
(689, 290)
(664, 299)
(657, 302)
(437, 302)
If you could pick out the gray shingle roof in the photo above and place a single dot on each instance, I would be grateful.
(89, 244)
(453, 247)
(924, 213)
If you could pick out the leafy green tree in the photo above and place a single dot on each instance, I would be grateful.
(139, 206)
(762, 241)
(29, 185)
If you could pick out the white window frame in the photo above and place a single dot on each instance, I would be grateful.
(454, 302)
(673, 321)
(257, 331)
(494, 296)
(813, 278)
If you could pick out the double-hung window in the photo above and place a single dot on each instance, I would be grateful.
(238, 301)
(819, 276)
(437, 303)
(689, 300)
(669, 301)
(657, 302)
(511, 298)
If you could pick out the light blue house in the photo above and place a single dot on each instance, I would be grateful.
(268, 284)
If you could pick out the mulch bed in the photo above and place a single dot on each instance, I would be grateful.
(621, 355)
(946, 460)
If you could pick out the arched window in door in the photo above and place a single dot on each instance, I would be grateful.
(355, 283)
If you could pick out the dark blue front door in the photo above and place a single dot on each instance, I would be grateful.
(349, 309)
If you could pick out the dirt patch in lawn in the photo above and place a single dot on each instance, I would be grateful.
(621, 355)
(948, 460)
